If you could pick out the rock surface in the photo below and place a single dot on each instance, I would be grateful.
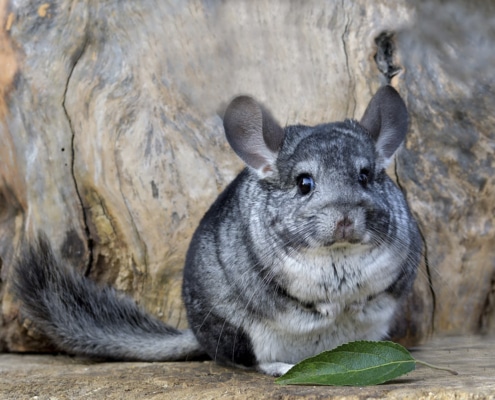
(60, 377)
(111, 143)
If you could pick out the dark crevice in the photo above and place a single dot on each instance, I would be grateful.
(76, 57)
(488, 308)
(425, 258)
(385, 53)
(430, 280)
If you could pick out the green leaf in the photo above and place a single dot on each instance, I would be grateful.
(358, 363)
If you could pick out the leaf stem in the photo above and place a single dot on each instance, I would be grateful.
(436, 367)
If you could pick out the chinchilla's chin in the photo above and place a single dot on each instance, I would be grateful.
(326, 249)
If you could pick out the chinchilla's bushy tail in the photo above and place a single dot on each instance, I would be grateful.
(85, 319)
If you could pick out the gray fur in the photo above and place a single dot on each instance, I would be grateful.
(311, 246)
(85, 319)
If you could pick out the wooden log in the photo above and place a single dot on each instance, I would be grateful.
(111, 144)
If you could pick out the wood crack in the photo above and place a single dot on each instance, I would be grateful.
(77, 56)
(488, 308)
(352, 91)
(425, 255)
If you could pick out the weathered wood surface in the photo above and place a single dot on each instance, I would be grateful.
(47, 377)
(110, 141)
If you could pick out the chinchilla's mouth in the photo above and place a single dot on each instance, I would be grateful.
(343, 242)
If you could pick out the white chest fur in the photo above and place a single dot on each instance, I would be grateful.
(343, 275)
(347, 291)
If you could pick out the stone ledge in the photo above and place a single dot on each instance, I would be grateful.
(60, 377)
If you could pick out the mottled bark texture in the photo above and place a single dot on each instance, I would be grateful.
(110, 140)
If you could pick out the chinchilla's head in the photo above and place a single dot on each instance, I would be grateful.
(323, 185)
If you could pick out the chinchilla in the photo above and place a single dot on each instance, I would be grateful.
(311, 246)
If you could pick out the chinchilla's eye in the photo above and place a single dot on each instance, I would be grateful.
(364, 176)
(305, 183)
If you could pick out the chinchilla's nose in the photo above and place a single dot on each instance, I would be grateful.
(344, 228)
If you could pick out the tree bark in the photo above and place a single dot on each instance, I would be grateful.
(111, 142)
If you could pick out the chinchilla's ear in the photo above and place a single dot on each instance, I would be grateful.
(386, 120)
(253, 134)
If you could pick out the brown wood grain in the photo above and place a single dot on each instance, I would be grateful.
(111, 144)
